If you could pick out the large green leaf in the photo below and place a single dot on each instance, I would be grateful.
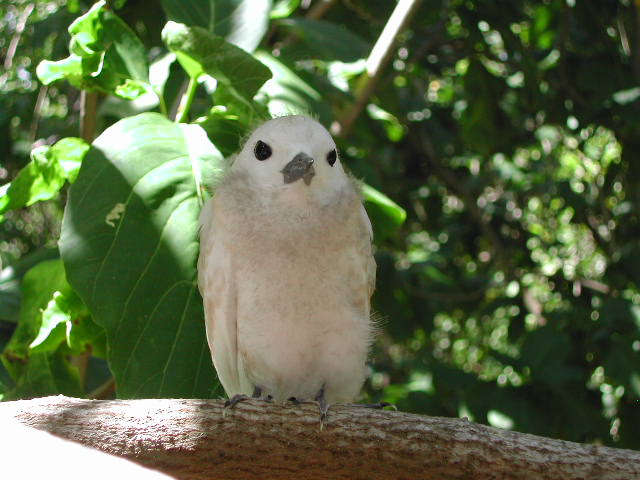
(105, 55)
(200, 51)
(129, 244)
(241, 22)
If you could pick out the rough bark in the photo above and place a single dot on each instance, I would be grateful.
(192, 439)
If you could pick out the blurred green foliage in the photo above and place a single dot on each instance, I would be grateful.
(509, 281)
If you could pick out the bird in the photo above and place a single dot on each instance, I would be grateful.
(286, 270)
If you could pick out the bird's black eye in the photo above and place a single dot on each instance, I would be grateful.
(332, 156)
(262, 151)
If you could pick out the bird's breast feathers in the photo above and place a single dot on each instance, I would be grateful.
(286, 270)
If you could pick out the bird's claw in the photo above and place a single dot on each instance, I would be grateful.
(233, 401)
(323, 406)
(294, 400)
(319, 401)
(241, 397)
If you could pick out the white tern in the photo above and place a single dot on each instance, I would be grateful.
(286, 269)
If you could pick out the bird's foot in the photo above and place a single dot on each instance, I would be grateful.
(295, 401)
(319, 401)
(241, 397)
(323, 406)
(233, 401)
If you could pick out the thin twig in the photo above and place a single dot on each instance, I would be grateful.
(81, 362)
(379, 58)
(320, 9)
(37, 111)
(15, 40)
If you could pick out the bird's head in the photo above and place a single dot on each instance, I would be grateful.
(293, 152)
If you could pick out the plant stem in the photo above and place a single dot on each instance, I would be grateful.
(88, 115)
(104, 391)
(187, 100)
(162, 104)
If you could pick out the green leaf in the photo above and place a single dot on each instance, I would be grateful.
(45, 174)
(11, 279)
(138, 97)
(69, 68)
(241, 22)
(51, 313)
(284, 8)
(45, 374)
(130, 253)
(52, 327)
(39, 374)
(200, 51)
(105, 56)
(386, 215)
(66, 318)
(328, 41)
(225, 131)
(395, 130)
(288, 94)
(84, 332)
(38, 286)
(132, 89)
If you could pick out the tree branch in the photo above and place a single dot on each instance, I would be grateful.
(192, 439)
(379, 58)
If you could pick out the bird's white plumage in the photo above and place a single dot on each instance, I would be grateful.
(286, 271)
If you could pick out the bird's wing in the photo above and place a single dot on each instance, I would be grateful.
(370, 266)
(218, 289)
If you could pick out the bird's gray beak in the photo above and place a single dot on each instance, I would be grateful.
(300, 167)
